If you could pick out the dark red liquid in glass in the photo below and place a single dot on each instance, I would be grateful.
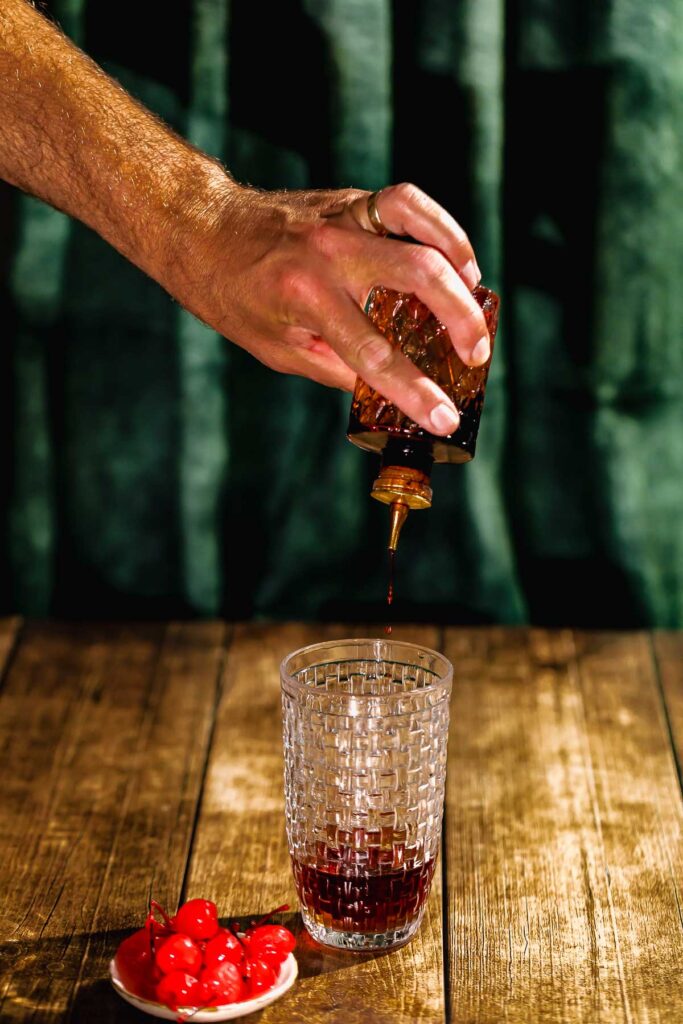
(363, 902)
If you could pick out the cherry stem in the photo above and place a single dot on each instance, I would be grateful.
(235, 932)
(278, 910)
(154, 906)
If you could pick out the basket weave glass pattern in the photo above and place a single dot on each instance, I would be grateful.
(365, 731)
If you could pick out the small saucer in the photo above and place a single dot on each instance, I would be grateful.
(285, 979)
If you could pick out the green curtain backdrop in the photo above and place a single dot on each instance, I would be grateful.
(137, 444)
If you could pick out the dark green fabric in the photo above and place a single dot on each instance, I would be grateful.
(154, 469)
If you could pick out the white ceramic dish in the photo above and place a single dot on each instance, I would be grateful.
(286, 978)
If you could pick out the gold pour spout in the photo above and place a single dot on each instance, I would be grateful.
(402, 487)
(399, 514)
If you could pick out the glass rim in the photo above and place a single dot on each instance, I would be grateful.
(442, 682)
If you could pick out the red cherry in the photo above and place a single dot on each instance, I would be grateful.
(269, 955)
(223, 948)
(261, 977)
(271, 942)
(198, 919)
(135, 964)
(179, 953)
(273, 935)
(221, 984)
(179, 989)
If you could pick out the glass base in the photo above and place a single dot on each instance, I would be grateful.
(359, 941)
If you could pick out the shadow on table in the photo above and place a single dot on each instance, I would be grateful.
(43, 973)
(313, 959)
(40, 975)
(96, 1001)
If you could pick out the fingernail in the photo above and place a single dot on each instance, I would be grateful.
(471, 274)
(481, 351)
(443, 419)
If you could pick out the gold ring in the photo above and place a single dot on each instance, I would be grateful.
(374, 217)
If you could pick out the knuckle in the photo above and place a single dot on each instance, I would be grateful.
(461, 239)
(373, 354)
(462, 236)
(299, 286)
(428, 266)
(323, 239)
(408, 193)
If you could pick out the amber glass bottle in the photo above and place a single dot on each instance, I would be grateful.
(408, 452)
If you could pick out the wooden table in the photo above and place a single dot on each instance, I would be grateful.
(140, 760)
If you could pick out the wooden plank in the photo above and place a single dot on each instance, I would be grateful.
(104, 735)
(9, 632)
(668, 651)
(526, 920)
(240, 854)
(562, 832)
(641, 816)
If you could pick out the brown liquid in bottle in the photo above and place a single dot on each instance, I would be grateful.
(413, 329)
(407, 450)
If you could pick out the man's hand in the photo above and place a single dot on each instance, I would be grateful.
(283, 274)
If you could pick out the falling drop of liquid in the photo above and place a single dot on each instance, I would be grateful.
(388, 629)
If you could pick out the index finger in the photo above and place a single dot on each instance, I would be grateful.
(362, 347)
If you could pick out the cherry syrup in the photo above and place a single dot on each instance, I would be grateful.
(388, 629)
(363, 902)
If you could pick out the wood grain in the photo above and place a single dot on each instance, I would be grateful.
(9, 633)
(104, 735)
(668, 652)
(240, 854)
(563, 823)
(562, 838)
(638, 797)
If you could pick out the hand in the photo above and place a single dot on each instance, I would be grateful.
(285, 275)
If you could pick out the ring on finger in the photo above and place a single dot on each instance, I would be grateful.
(378, 224)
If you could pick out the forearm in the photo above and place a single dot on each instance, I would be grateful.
(72, 136)
(284, 275)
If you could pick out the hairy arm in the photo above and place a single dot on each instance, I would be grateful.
(72, 136)
(283, 274)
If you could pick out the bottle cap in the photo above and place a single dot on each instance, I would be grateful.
(403, 484)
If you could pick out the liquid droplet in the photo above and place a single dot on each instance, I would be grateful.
(388, 629)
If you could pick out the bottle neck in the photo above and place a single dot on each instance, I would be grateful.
(405, 471)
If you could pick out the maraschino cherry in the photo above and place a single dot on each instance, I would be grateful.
(224, 947)
(179, 988)
(261, 977)
(179, 953)
(271, 943)
(197, 918)
(188, 961)
(222, 984)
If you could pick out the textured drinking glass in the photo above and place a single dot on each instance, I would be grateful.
(365, 730)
